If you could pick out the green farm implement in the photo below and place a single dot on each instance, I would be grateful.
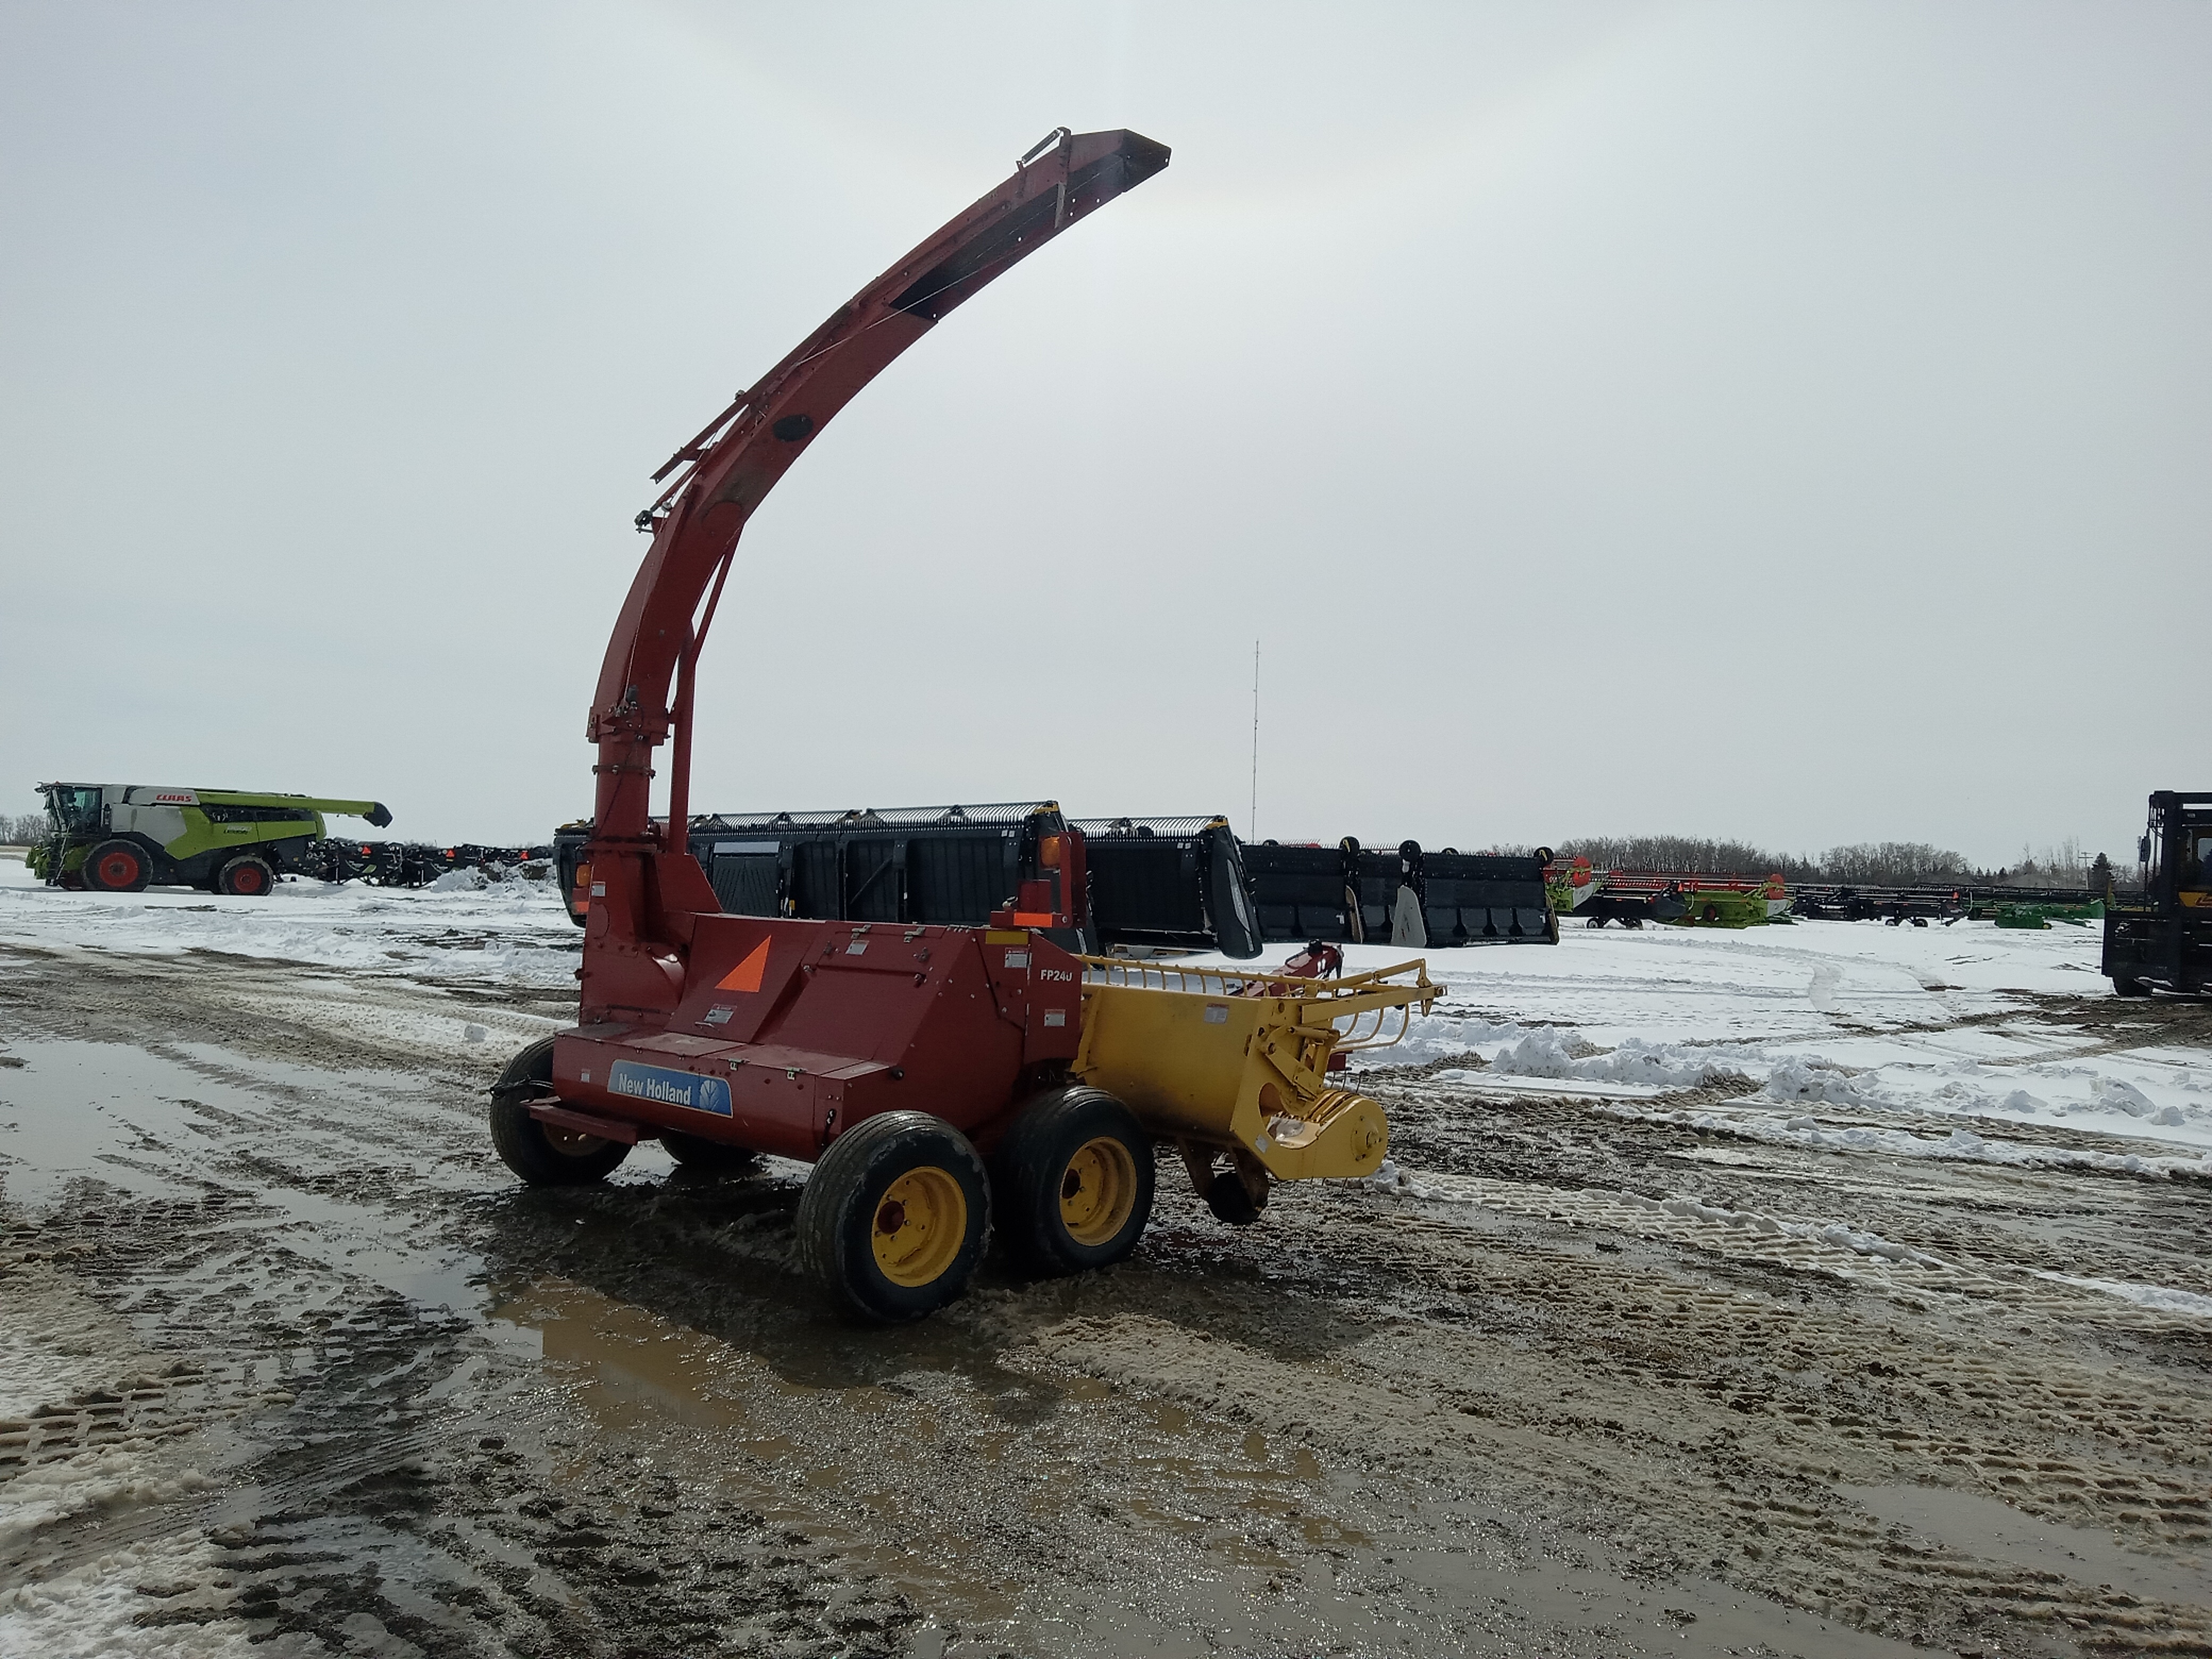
(124, 837)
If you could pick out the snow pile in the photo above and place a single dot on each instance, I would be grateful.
(1443, 1036)
(1657, 1065)
(116, 1478)
(95, 1610)
(1796, 1079)
(2155, 1296)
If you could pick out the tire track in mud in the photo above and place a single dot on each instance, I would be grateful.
(306, 1455)
(1252, 1430)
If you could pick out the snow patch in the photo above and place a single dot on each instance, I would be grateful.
(2157, 1297)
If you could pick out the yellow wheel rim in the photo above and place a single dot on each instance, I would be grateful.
(1097, 1190)
(922, 1221)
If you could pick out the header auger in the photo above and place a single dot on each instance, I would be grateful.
(943, 1080)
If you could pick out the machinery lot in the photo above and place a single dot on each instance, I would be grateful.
(1840, 1289)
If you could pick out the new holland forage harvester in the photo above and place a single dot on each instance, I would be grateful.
(898, 1059)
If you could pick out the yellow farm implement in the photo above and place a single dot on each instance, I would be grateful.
(1230, 1061)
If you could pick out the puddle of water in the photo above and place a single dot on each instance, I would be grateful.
(78, 1110)
(812, 1455)
(1975, 1525)
(116, 1113)
(817, 1458)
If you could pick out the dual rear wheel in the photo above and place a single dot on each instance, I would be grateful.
(895, 1217)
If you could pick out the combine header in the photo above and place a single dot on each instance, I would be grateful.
(1358, 895)
(896, 1056)
(1172, 884)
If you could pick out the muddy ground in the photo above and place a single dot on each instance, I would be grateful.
(293, 1365)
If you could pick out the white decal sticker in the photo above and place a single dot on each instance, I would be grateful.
(1216, 1013)
(858, 947)
(1018, 958)
(1055, 1016)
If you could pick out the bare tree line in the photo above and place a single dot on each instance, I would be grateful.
(1866, 863)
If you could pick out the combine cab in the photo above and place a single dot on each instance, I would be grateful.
(124, 837)
(2164, 940)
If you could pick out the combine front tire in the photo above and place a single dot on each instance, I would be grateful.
(248, 876)
(708, 1158)
(893, 1218)
(117, 867)
(541, 1154)
(1073, 1181)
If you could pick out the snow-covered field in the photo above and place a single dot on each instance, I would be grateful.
(1918, 1041)
(512, 932)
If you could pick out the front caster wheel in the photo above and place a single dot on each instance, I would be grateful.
(2129, 987)
(1074, 1180)
(542, 1155)
(893, 1218)
(1231, 1200)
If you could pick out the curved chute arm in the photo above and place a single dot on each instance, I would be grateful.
(724, 473)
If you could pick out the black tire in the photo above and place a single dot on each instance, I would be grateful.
(701, 1156)
(117, 867)
(541, 1155)
(895, 1176)
(2129, 987)
(1072, 1182)
(248, 876)
(1595, 921)
(1230, 1199)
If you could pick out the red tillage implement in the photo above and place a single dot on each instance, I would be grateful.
(888, 1053)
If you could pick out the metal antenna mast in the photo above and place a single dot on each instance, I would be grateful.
(1253, 817)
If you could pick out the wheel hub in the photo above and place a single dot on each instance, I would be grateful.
(1097, 1190)
(921, 1225)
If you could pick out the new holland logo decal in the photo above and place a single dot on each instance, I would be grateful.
(666, 1088)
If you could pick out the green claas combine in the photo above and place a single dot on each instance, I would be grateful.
(122, 838)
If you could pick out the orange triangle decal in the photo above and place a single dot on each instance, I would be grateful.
(746, 976)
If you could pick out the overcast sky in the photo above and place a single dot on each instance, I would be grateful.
(1785, 421)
